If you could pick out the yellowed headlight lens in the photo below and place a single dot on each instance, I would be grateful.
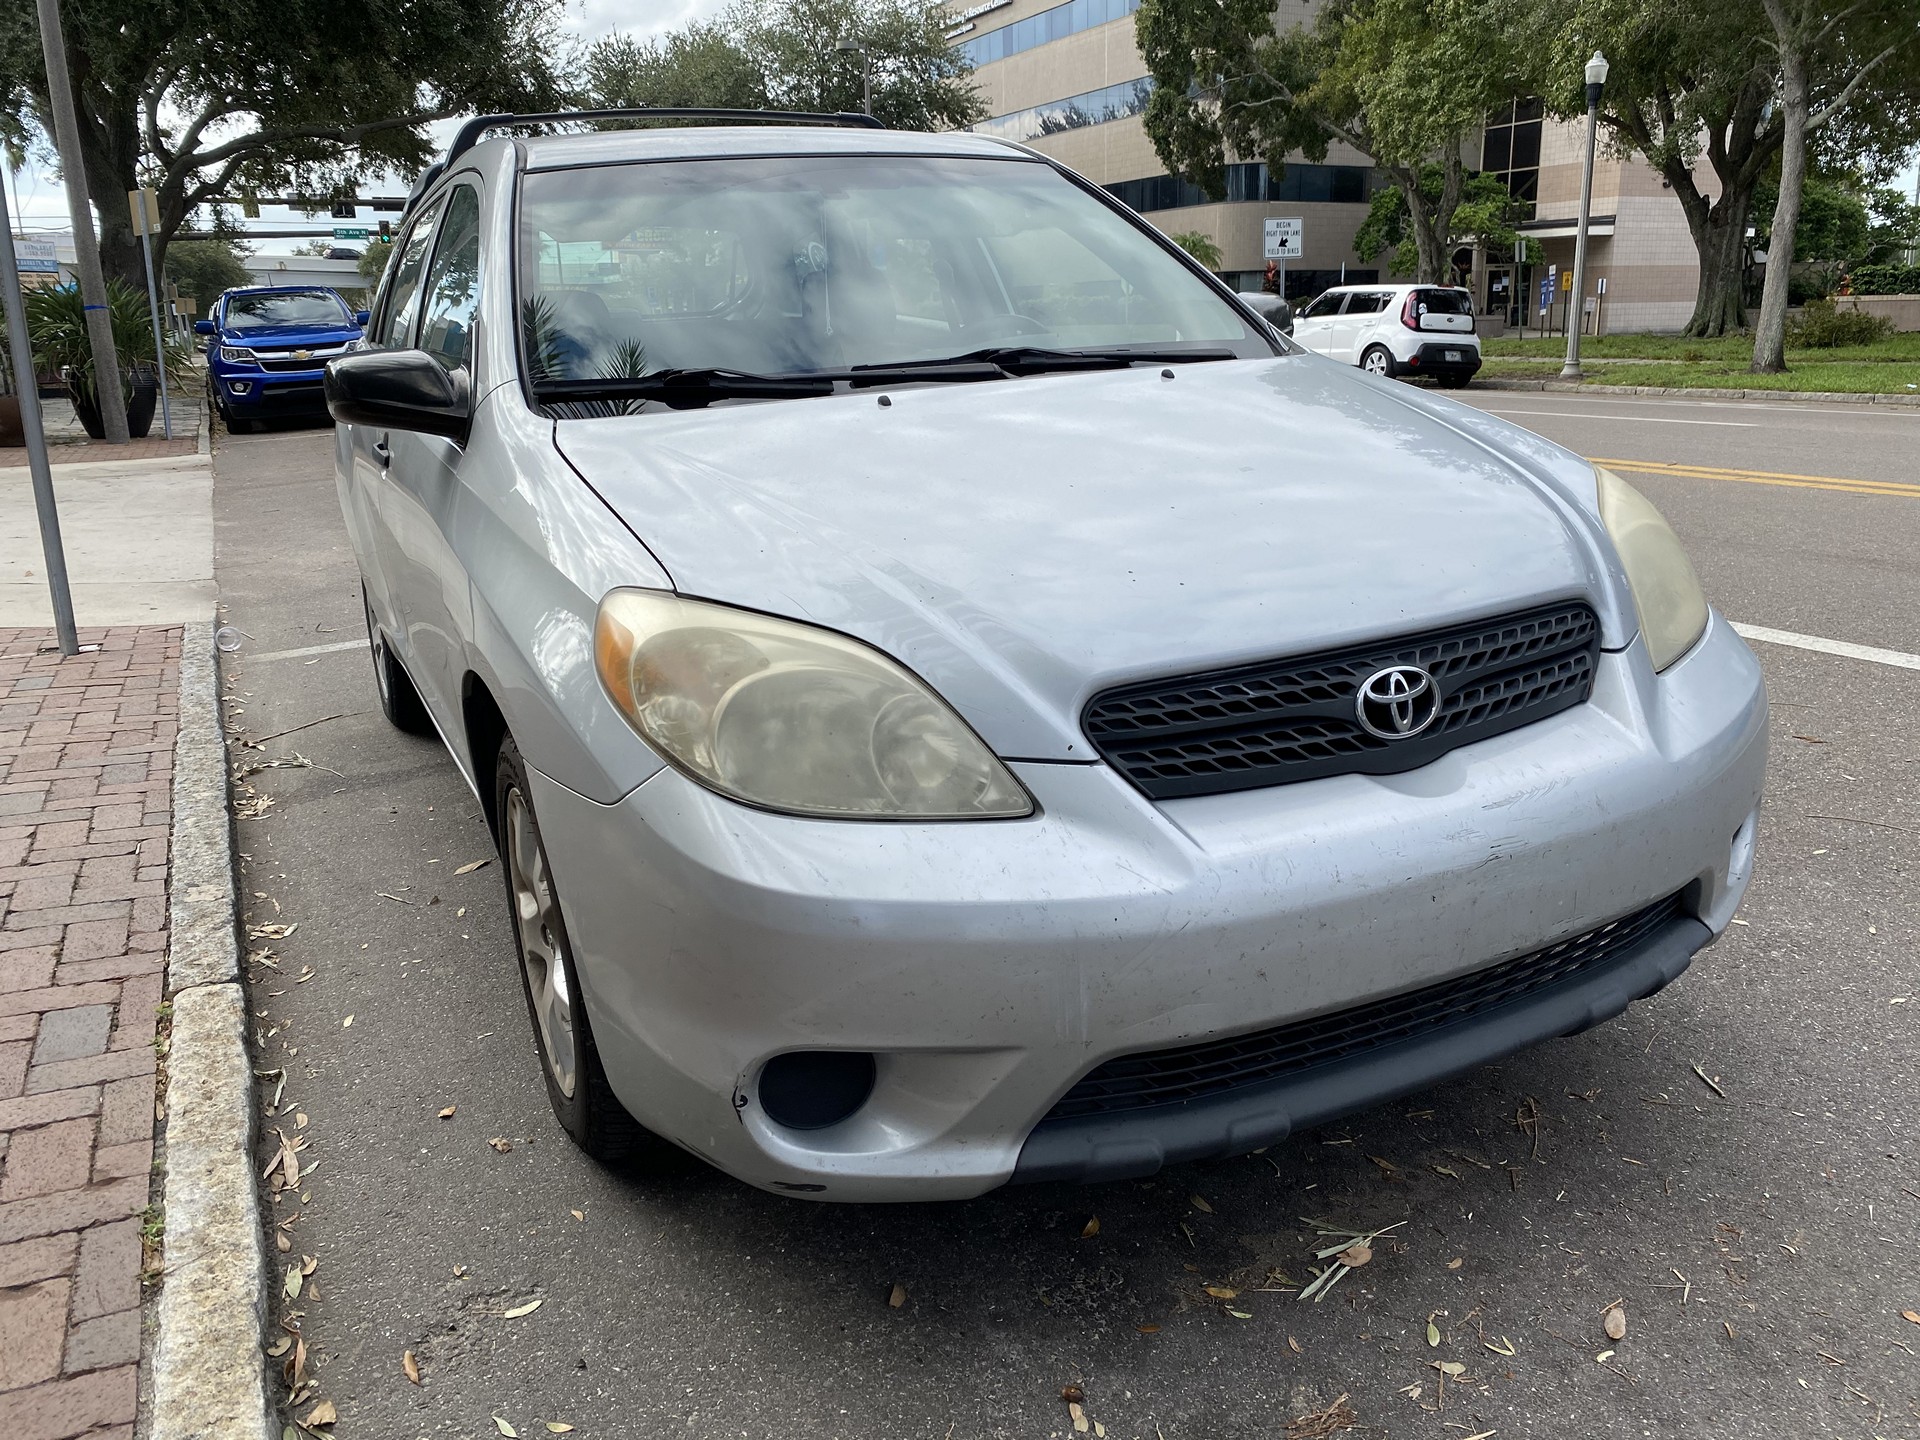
(1666, 592)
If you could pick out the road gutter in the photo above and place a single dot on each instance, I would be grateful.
(208, 1379)
(1811, 397)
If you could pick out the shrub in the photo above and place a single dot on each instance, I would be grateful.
(1821, 325)
(1886, 280)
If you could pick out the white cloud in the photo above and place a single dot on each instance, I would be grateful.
(592, 18)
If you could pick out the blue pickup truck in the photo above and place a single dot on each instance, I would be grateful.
(268, 348)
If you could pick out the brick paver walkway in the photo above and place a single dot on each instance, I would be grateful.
(86, 760)
(92, 452)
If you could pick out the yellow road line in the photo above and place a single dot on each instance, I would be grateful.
(1765, 477)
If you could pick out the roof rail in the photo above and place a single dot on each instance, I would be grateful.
(469, 134)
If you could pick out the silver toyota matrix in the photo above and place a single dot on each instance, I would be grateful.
(960, 699)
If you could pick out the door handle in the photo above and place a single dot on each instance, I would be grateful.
(381, 452)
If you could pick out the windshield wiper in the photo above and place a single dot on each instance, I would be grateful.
(1035, 360)
(686, 389)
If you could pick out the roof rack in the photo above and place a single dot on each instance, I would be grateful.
(469, 133)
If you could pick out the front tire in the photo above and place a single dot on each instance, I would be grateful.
(399, 701)
(583, 1102)
(1378, 360)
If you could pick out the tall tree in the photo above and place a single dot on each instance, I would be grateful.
(1830, 57)
(208, 99)
(1406, 82)
(203, 268)
(1487, 212)
(787, 55)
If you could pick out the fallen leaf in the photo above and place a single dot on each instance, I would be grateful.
(505, 1429)
(1090, 1229)
(1603, 1357)
(347, 1023)
(468, 869)
(1222, 1292)
(1455, 1264)
(446, 1114)
(308, 1264)
(459, 1271)
(1079, 1417)
(1199, 1203)
(1505, 1347)
(1294, 1346)
(1240, 1314)
(293, 1282)
(579, 1215)
(296, 1368)
(517, 1311)
(280, 1346)
(1913, 1315)
(282, 1244)
(1148, 1329)
(1450, 1368)
(1073, 1394)
(1615, 1323)
(410, 1366)
(897, 1297)
(321, 1414)
(559, 1427)
(501, 1143)
(1433, 1335)
(1354, 1256)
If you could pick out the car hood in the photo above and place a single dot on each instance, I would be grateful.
(291, 335)
(1023, 544)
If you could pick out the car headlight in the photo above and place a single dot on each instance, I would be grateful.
(1672, 606)
(236, 354)
(792, 718)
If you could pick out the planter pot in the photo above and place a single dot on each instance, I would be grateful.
(142, 399)
(10, 431)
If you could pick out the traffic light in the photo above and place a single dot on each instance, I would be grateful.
(386, 230)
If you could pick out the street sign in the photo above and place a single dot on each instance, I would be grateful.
(144, 208)
(1602, 283)
(1546, 292)
(1566, 280)
(37, 257)
(349, 232)
(1284, 235)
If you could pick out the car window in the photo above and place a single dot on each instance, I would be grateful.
(395, 328)
(1327, 304)
(1443, 302)
(266, 309)
(1369, 302)
(794, 264)
(453, 283)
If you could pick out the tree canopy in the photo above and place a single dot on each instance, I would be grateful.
(786, 55)
(203, 268)
(207, 100)
(1487, 211)
(1405, 82)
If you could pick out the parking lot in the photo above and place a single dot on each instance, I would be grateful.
(1733, 1163)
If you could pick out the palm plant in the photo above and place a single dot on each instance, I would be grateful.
(57, 330)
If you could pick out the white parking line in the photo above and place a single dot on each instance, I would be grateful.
(307, 650)
(1637, 419)
(1897, 658)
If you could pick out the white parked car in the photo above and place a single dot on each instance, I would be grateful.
(1395, 330)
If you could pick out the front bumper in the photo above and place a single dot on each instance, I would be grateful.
(272, 393)
(990, 965)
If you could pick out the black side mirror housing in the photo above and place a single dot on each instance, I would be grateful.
(400, 390)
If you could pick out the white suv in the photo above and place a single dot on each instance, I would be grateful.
(1394, 330)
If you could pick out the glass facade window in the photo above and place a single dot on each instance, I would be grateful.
(1321, 184)
(1511, 148)
(1302, 285)
(1096, 107)
(1055, 24)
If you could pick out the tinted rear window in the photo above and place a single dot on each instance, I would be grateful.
(1446, 302)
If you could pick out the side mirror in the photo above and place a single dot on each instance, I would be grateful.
(203, 327)
(399, 390)
(360, 318)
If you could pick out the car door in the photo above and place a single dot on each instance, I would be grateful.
(1314, 326)
(420, 492)
(365, 450)
(1363, 311)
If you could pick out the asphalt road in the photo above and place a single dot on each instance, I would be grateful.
(1762, 1235)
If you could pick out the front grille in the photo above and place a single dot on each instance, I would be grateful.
(1285, 720)
(1211, 1067)
(284, 362)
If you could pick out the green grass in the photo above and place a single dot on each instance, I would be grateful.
(1737, 350)
(1840, 376)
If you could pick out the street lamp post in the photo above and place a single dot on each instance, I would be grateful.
(849, 47)
(1596, 79)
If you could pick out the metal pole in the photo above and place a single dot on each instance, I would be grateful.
(866, 79)
(86, 247)
(159, 336)
(1571, 370)
(28, 386)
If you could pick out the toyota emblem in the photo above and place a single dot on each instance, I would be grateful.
(1398, 702)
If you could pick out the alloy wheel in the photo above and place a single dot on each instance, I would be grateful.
(542, 948)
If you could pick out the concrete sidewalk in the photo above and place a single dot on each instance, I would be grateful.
(137, 522)
(86, 759)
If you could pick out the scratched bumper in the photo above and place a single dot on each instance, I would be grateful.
(990, 965)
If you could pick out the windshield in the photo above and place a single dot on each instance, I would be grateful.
(286, 307)
(791, 265)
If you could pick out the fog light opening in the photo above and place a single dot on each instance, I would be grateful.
(812, 1089)
(240, 387)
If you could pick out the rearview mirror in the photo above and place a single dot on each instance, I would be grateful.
(399, 390)
(203, 327)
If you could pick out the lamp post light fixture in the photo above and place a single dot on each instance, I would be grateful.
(849, 47)
(1596, 80)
